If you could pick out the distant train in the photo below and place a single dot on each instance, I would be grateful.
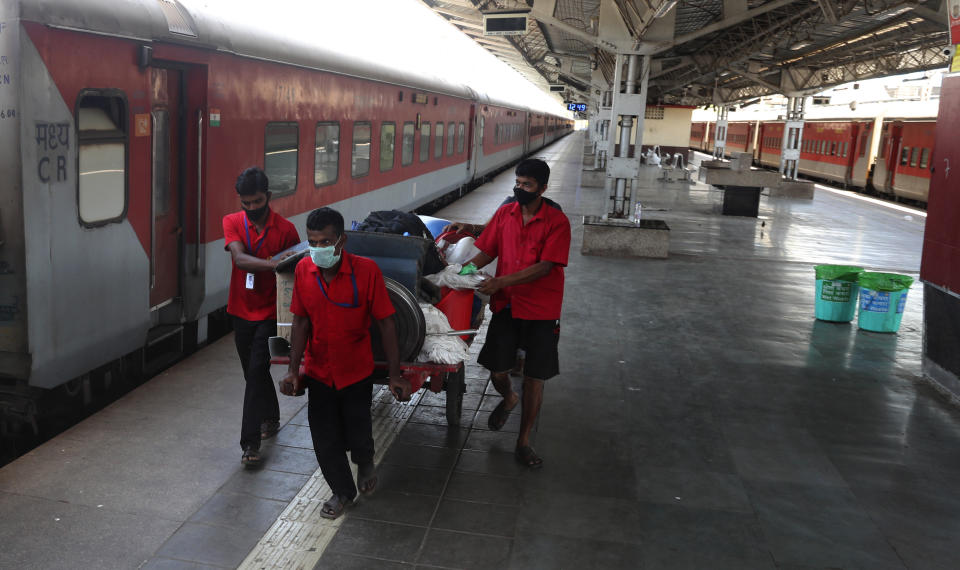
(125, 127)
(890, 156)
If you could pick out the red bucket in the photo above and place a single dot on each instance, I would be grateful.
(457, 306)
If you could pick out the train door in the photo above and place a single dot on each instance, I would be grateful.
(892, 157)
(478, 144)
(526, 134)
(853, 141)
(166, 224)
(178, 101)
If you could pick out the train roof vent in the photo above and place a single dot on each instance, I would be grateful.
(177, 21)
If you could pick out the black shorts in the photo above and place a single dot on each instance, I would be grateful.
(537, 338)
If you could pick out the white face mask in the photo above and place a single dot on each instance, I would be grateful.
(324, 257)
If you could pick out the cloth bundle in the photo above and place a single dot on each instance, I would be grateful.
(438, 348)
(450, 277)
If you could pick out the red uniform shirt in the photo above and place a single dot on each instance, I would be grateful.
(546, 237)
(259, 303)
(338, 352)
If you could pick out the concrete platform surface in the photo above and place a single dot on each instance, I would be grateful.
(702, 419)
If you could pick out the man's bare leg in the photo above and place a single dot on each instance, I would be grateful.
(532, 398)
(502, 384)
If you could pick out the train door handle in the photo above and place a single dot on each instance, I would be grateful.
(946, 170)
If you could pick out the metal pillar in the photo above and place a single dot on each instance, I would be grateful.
(720, 139)
(792, 138)
(629, 107)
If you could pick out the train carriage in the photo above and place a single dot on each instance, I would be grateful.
(904, 159)
(829, 149)
(740, 137)
(769, 142)
(127, 123)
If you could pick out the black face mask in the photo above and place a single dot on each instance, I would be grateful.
(524, 197)
(256, 215)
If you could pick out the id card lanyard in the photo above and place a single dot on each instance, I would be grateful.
(263, 238)
(356, 295)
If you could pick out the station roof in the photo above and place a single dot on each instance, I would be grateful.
(713, 51)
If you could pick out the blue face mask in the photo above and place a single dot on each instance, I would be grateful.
(324, 257)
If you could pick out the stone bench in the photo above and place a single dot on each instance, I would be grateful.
(624, 238)
(740, 183)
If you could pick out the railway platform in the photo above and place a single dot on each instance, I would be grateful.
(702, 419)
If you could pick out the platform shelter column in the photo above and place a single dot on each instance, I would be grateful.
(600, 129)
(940, 268)
(720, 140)
(632, 73)
(792, 138)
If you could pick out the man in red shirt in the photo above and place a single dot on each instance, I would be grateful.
(531, 240)
(252, 236)
(335, 295)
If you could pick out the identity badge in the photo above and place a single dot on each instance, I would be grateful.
(249, 280)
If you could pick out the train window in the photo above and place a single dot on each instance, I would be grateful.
(833, 149)
(424, 141)
(438, 141)
(360, 158)
(460, 137)
(280, 156)
(914, 156)
(925, 158)
(904, 155)
(496, 135)
(845, 144)
(161, 162)
(102, 157)
(326, 154)
(451, 130)
(388, 140)
(406, 144)
(863, 145)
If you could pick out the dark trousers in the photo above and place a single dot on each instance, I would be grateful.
(340, 421)
(260, 397)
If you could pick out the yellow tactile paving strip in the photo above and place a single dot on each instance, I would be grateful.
(300, 535)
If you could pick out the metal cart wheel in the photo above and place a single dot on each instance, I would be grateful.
(455, 384)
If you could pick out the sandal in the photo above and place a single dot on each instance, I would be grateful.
(499, 416)
(527, 457)
(251, 457)
(366, 479)
(335, 506)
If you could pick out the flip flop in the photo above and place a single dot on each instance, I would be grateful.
(366, 479)
(499, 416)
(527, 457)
(334, 507)
(269, 428)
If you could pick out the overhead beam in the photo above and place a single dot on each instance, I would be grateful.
(936, 16)
(547, 19)
(724, 24)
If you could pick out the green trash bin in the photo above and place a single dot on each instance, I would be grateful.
(837, 292)
(883, 297)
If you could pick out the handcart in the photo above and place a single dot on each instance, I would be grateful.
(401, 283)
(434, 377)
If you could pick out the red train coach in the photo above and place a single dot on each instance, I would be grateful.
(904, 159)
(845, 151)
(740, 136)
(698, 132)
(126, 124)
(829, 150)
(835, 151)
